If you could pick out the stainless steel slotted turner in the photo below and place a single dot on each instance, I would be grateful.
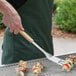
(48, 56)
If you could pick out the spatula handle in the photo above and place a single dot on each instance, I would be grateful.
(26, 36)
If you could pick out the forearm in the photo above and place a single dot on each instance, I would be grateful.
(2, 6)
(10, 17)
(6, 7)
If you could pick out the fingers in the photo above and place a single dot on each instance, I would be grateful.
(11, 28)
(21, 27)
(16, 28)
(16, 31)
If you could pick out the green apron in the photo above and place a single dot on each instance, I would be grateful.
(36, 18)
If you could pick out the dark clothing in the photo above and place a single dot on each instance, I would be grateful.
(36, 18)
(17, 3)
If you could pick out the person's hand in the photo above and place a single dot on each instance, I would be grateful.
(11, 18)
(13, 21)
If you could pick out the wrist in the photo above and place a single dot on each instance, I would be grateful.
(6, 7)
(3, 6)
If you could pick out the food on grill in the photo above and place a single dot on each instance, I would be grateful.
(37, 68)
(21, 68)
(70, 61)
(22, 64)
(68, 66)
(74, 58)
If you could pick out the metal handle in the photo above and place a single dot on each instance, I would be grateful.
(50, 57)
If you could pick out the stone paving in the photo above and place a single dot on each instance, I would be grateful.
(61, 46)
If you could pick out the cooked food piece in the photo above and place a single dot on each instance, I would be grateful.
(67, 67)
(37, 68)
(21, 68)
(70, 61)
(22, 63)
(73, 57)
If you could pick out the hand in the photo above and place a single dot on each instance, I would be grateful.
(11, 18)
(13, 21)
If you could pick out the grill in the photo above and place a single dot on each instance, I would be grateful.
(50, 69)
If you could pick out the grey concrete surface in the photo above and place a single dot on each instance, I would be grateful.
(61, 46)
(1, 41)
(64, 46)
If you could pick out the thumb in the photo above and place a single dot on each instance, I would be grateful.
(21, 28)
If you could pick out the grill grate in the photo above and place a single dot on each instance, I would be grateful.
(50, 69)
